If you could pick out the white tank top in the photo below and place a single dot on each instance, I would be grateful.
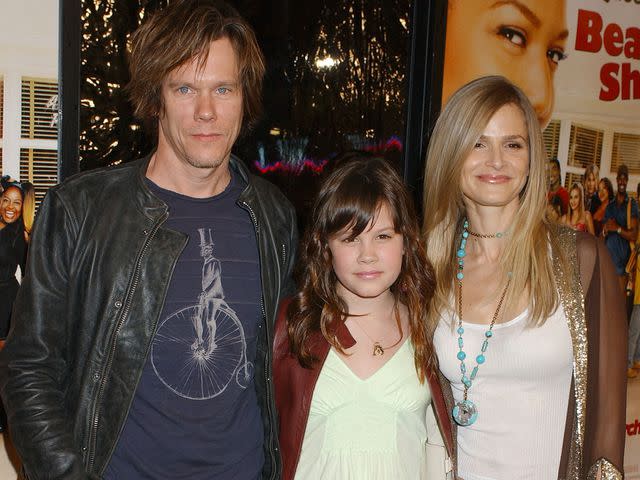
(521, 393)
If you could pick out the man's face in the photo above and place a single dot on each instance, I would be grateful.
(202, 114)
(622, 180)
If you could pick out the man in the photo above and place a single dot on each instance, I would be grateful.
(620, 225)
(555, 188)
(103, 374)
(633, 357)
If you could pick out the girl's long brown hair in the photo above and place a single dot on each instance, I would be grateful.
(351, 197)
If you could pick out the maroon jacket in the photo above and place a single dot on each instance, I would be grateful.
(294, 386)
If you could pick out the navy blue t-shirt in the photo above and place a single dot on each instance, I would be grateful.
(195, 414)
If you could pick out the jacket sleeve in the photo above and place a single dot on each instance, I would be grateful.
(284, 398)
(606, 381)
(33, 364)
(289, 289)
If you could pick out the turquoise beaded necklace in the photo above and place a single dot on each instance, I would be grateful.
(465, 412)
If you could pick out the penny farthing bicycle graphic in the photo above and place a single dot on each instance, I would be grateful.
(207, 338)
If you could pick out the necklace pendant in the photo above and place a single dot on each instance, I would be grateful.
(377, 349)
(465, 413)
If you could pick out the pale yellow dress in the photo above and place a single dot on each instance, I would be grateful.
(366, 429)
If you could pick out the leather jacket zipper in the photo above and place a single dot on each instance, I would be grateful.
(284, 255)
(123, 316)
(267, 370)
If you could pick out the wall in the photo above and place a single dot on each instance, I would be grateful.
(28, 48)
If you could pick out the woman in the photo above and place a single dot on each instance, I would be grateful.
(605, 195)
(16, 199)
(353, 350)
(591, 200)
(577, 217)
(13, 245)
(523, 41)
(532, 374)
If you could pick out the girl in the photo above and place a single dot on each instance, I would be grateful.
(16, 217)
(531, 328)
(605, 195)
(353, 349)
(591, 176)
(577, 217)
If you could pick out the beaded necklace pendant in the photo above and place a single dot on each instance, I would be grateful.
(465, 412)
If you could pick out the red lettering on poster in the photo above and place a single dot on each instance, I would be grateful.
(618, 80)
(630, 80)
(613, 39)
(632, 428)
(608, 77)
(588, 37)
(632, 47)
(625, 83)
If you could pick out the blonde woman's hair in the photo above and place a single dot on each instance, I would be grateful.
(592, 168)
(526, 254)
(28, 208)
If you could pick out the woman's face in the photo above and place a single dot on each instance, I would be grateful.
(590, 184)
(574, 199)
(495, 172)
(522, 40)
(603, 193)
(11, 205)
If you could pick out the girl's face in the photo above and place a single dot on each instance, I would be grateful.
(11, 205)
(369, 264)
(603, 193)
(590, 184)
(521, 40)
(574, 199)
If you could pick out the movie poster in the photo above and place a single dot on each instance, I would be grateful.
(579, 63)
(577, 60)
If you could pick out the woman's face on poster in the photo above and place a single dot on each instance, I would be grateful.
(11, 205)
(575, 199)
(603, 193)
(522, 40)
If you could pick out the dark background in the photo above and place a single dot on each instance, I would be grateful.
(379, 97)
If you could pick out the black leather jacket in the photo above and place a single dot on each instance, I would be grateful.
(99, 267)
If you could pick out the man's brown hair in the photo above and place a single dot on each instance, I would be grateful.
(184, 31)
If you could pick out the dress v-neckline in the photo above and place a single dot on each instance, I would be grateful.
(367, 379)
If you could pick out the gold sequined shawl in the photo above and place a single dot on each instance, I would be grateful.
(595, 310)
(593, 447)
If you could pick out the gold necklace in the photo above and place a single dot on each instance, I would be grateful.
(378, 349)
